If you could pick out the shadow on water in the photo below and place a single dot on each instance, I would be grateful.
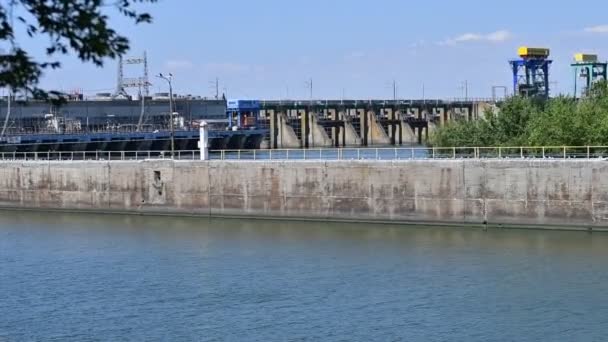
(190, 228)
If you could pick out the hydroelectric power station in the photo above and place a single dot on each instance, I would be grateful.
(165, 121)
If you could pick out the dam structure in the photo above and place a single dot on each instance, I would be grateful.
(117, 121)
(351, 123)
(564, 194)
(124, 124)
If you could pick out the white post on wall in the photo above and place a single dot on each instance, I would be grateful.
(203, 143)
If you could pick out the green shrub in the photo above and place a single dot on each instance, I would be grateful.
(560, 121)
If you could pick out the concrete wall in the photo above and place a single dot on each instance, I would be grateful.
(376, 134)
(287, 137)
(318, 136)
(351, 137)
(572, 194)
(407, 134)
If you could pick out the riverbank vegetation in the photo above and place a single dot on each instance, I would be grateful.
(560, 121)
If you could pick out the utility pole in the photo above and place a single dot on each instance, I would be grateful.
(169, 80)
(423, 93)
(142, 98)
(394, 90)
(464, 87)
(217, 88)
(311, 89)
(309, 85)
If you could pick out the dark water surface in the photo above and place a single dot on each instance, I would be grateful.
(112, 278)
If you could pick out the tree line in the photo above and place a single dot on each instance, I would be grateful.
(519, 121)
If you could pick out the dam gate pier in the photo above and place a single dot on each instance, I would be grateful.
(318, 124)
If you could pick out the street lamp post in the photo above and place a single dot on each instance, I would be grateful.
(169, 81)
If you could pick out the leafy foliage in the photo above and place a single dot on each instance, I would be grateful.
(78, 26)
(561, 121)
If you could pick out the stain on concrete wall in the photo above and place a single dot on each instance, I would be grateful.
(522, 192)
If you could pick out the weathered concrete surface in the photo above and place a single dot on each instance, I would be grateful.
(351, 138)
(287, 137)
(318, 136)
(407, 133)
(572, 194)
(375, 134)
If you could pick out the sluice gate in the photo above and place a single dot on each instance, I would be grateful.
(314, 124)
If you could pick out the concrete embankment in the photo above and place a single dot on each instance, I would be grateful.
(569, 194)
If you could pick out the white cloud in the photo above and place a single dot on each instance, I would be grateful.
(493, 37)
(179, 64)
(499, 36)
(597, 29)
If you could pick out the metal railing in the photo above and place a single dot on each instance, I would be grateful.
(398, 153)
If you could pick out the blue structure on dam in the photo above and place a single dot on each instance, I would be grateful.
(531, 72)
(243, 114)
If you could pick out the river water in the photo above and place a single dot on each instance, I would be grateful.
(112, 278)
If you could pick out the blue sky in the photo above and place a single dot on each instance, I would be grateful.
(268, 49)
